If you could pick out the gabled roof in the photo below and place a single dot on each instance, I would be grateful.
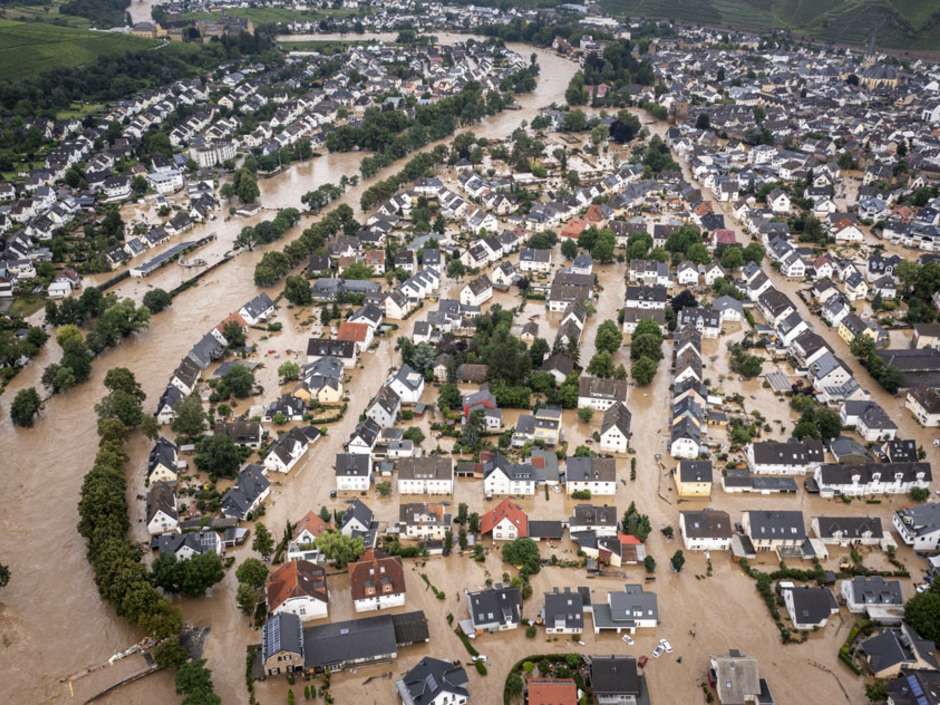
(505, 510)
(376, 571)
(296, 579)
(430, 679)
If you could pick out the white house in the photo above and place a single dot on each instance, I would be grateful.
(595, 475)
(377, 581)
(408, 384)
(502, 477)
(353, 471)
(432, 474)
(287, 450)
(257, 310)
(477, 292)
(809, 607)
(706, 530)
(615, 429)
(919, 526)
(162, 510)
(299, 588)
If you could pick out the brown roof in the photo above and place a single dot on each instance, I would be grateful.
(296, 579)
(433, 467)
(505, 510)
(353, 331)
(312, 523)
(552, 691)
(377, 571)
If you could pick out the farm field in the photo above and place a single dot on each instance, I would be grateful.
(30, 48)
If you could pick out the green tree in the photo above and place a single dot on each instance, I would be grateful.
(356, 270)
(473, 429)
(650, 564)
(647, 345)
(585, 414)
(514, 684)
(157, 300)
(219, 456)
(26, 405)
(643, 371)
(448, 397)
(339, 548)
(603, 250)
(239, 381)
(252, 572)
(194, 681)
(4, 576)
(234, 334)
(569, 248)
(538, 351)
(732, 258)
(601, 365)
(263, 542)
(288, 372)
(609, 337)
(122, 406)
(201, 572)
(862, 346)
(246, 186)
(922, 612)
(414, 434)
(297, 290)
(677, 560)
(190, 418)
(523, 553)
(702, 122)
(384, 488)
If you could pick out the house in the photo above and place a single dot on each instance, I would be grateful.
(288, 407)
(694, 478)
(615, 680)
(919, 526)
(358, 521)
(247, 434)
(170, 397)
(185, 546)
(563, 612)
(507, 522)
(599, 520)
(377, 581)
(494, 609)
(628, 610)
(250, 490)
(926, 335)
(502, 477)
(434, 682)
(736, 679)
(353, 472)
(600, 394)
(924, 403)
(809, 607)
(595, 475)
(299, 588)
(185, 376)
(894, 648)
(360, 333)
(879, 599)
(345, 351)
(482, 400)
(433, 474)
(289, 448)
(769, 530)
(551, 691)
(306, 532)
(687, 273)
(257, 310)
(477, 292)
(646, 297)
(778, 201)
(408, 384)
(282, 645)
(910, 687)
(790, 458)
(860, 479)
(615, 429)
(364, 437)
(532, 260)
(873, 424)
(162, 464)
(423, 521)
(162, 509)
(848, 531)
(384, 407)
(357, 642)
(707, 530)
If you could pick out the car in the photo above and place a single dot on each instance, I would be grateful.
(923, 587)
(642, 661)
(581, 643)
(627, 639)
(332, 494)
(667, 647)
(658, 651)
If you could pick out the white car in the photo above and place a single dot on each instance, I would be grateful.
(667, 647)
(923, 587)
(658, 651)
(581, 643)
(627, 639)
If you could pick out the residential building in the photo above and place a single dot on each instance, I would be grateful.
(423, 521)
(434, 682)
(377, 581)
(298, 587)
(809, 607)
(563, 611)
(693, 478)
(432, 474)
(595, 475)
(896, 648)
(494, 609)
(615, 680)
(879, 599)
(615, 429)
(919, 526)
(769, 530)
(506, 522)
(737, 680)
(708, 530)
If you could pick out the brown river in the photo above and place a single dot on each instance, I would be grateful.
(52, 622)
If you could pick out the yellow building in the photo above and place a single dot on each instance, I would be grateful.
(694, 478)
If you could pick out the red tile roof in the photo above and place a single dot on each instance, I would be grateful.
(505, 510)
(296, 579)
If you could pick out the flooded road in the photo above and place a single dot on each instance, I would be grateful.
(52, 622)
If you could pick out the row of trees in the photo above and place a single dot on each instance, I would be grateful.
(269, 230)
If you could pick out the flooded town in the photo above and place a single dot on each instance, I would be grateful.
(405, 353)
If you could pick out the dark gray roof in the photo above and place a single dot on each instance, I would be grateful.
(338, 643)
(695, 471)
(500, 604)
(430, 679)
(163, 454)
(250, 485)
(707, 524)
(849, 527)
(812, 604)
(590, 469)
(563, 609)
(837, 474)
(877, 591)
(614, 675)
(777, 525)
(791, 453)
(282, 633)
(619, 416)
(352, 465)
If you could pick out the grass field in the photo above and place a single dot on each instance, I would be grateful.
(841, 21)
(30, 48)
(274, 15)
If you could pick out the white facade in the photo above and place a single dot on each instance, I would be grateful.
(613, 441)
(305, 607)
(498, 483)
(379, 602)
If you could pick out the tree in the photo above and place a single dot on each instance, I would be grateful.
(239, 381)
(246, 186)
(423, 357)
(234, 335)
(252, 572)
(339, 548)
(448, 397)
(472, 435)
(194, 681)
(748, 366)
(702, 122)
(585, 414)
(646, 345)
(922, 612)
(650, 564)
(121, 406)
(732, 258)
(219, 456)
(263, 542)
(538, 351)
(289, 371)
(201, 572)
(636, 524)
(828, 422)
(647, 326)
(356, 270)
(414, 434)
(643, 371)
(157, 300)
(384, 488)
(514, 684)
(4, 576)
(523, 553)
(297, 290)
(190, 418)
(247, 598)
(569, 248)
(609, 337)
(862, 346)
(677, 560)
(601, 365)
(26, 404)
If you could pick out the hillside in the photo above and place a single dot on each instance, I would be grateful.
(898, 24)
(29, 48)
